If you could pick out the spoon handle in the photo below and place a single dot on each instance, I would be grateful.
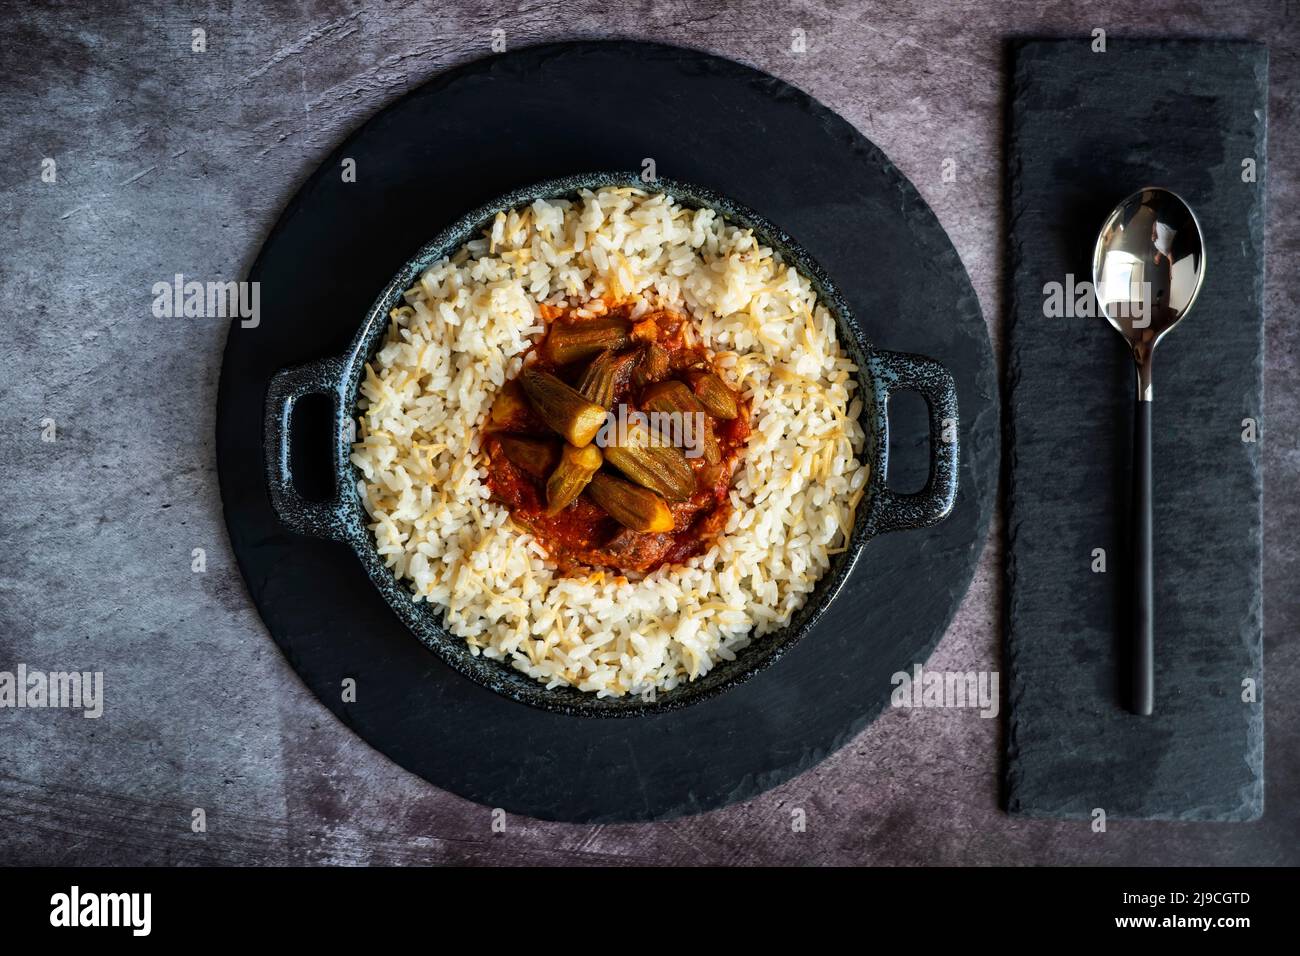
(1143, 649)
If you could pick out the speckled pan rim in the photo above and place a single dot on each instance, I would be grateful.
(424, 620)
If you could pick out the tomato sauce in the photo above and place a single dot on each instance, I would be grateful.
(583, 536)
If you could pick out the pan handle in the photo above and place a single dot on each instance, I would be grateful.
(902, 371)
(320, 519)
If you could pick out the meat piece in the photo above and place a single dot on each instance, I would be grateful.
(634, 551)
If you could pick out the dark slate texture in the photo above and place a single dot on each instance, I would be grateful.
(1086, 129)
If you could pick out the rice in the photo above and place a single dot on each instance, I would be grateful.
(463, 332)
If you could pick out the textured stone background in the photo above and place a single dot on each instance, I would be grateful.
(170, 161)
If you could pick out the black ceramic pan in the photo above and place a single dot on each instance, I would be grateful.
(881, 510)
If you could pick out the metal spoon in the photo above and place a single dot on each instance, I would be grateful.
(1147, 268)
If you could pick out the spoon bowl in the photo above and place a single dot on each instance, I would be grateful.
(1147, 269)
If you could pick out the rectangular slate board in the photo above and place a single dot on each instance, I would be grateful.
(1086, 129)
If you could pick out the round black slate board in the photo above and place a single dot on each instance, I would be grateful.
(538, 113)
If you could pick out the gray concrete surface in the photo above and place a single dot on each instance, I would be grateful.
(173, 161)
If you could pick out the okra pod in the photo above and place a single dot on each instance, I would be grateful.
(571, 475)
(659, 467)
(571, 340)
(676, 397)
(561, 407)
(718, 400)
(597, 382)
(631, 506)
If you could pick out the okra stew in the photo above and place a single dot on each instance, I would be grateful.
(616, 443)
